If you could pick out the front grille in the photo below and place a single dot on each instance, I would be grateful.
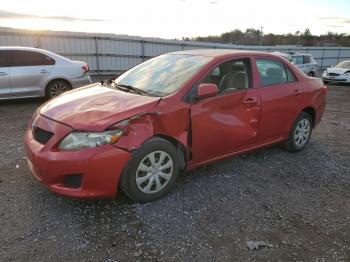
(333, 74)
(40, 135)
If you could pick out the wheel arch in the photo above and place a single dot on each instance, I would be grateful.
(58, 79)
(180, 148)
(312, 112)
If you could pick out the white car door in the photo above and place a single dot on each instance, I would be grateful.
(29, 72)
(4, 74)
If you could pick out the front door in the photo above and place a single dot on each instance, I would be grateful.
(229, 121)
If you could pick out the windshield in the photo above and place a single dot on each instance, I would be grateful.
(344, 64)
(164, 74)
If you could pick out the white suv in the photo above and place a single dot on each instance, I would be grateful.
(32, 72)
(305, 62)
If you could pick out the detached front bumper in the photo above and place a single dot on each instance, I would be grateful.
(89, 173)
(340, 79)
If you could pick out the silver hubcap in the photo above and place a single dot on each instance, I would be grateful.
(302, 132)
(154, 172)
(58, 89)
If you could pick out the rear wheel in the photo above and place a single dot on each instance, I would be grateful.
(56, 87)
(312, 74)
(151, 172)
(300, 133)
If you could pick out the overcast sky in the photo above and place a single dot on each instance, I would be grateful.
(177, 18)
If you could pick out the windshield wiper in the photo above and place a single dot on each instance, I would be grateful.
(131, 88)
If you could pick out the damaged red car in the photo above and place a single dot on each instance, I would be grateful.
(174, 112)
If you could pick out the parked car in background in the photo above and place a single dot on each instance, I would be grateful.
(33, 72)
(305, 62)
(339, 73)
(174, 112)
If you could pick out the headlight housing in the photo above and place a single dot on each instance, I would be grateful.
(81, 140)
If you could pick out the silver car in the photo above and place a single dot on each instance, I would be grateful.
(33, 72)
(305, 62)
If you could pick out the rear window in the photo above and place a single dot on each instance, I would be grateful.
(30, 58)
(5, 58)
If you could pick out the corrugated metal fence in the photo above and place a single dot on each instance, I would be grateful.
(107, 53)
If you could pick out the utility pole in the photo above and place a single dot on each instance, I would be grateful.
(261, 34)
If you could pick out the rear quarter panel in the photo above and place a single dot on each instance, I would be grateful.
(315, 97)
(66, 69)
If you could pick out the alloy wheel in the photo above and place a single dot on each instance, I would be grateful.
(58, 88)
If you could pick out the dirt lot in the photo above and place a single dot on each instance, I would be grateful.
(298, 203)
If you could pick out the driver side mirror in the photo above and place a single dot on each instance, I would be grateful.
(207, 90)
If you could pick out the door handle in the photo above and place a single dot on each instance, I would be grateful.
(3, 74)
(43, 71)
(250, 100)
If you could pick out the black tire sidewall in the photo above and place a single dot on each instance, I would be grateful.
(128, 178)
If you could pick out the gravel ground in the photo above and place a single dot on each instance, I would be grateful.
(297, 204)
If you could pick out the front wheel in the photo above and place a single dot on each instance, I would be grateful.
(151, 172)
(300, 133)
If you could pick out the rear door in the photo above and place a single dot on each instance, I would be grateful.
(29, 72)
(279, 92)
(4, 74)
(229, 121)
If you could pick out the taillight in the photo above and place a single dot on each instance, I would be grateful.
(85, 68)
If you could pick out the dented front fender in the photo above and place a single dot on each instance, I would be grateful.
(160, 122)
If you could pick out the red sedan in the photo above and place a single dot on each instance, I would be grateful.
(173, 112)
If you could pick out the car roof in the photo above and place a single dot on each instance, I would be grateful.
(296, 54)
(221, 52)
(26, 48)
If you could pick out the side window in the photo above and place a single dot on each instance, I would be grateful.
(30, 58)
(5, 57)
(297, 60)
(230, 76)
(271, 72)
(290, 76)
(307, 59)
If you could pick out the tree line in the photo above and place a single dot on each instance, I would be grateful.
(255, 37)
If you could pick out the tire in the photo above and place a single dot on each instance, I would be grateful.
(311, 74)
(325, 82)
(300, 133)
(56, 87)
(140, 176)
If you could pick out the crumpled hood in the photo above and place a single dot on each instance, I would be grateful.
(337, 70)
(96, 107)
